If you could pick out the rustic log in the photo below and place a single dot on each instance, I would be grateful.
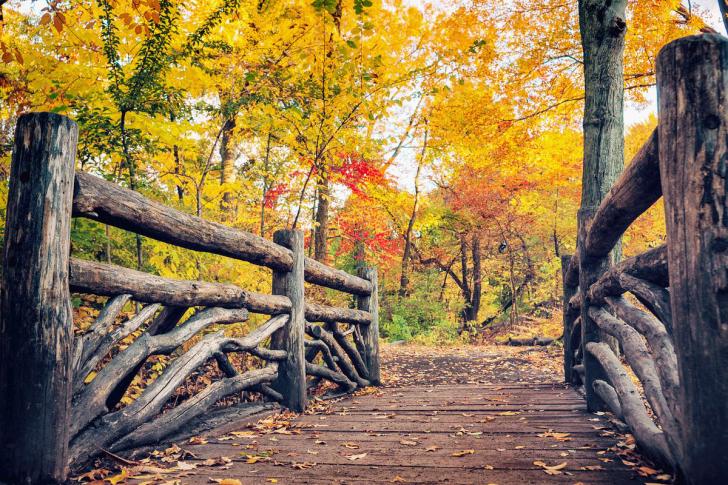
(88, 343)
(590, 270)
(105, 431)
(579, 370)
(107, 279)
(268, 392)
(322, 313)
(342, 361)
(224, 364)
(571, 277)
(316, 347)
(660, 343)
(573, 307)
(655, 298)
(649, 266)
(568, 318)
(330, 375)
(165, 322)
(636, 190)
(112, 204)
(91, 402)
(641, 362)
(370, 333)
(351, 351)
(650, 439)
(291, 381)
(108, 341)
(692, 80)
(36, 326)
(155, 431)
(609, 396)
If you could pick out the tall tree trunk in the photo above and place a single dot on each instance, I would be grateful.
(602, 27)
(131, 166)
(321, 231)
(178, 170)
(465, 286)
(266, 184)
(406, 256)
(477, 278)
(723, 5)
(602, 24)
(227, 165)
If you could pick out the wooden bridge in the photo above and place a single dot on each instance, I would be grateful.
(60, 395)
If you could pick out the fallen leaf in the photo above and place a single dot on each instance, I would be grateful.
(356, 457)
(463, 453)
(432, 448)
(408, 442)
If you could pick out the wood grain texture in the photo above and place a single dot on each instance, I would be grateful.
(36, 326)
(106, 202)
(291, 381)
(370, 334)
(692, 76)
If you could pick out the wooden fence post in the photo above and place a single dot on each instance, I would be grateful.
(692, 81)
(568, 292)
(36, 325)
(370, 333)
(291, 382)
(589, 271)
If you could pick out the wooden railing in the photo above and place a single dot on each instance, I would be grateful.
(60, 396)
(673, 329)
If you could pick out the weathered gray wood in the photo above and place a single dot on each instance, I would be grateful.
(589, 271)
(659, 341)
(568, 318)
(112, 204)
(643, 365)
(650, 266)
(370, 333)
(91, 402)
(351, 351)
(692, 80)
(36, 326)
(609, 396)
(650, 439)
(111, 427)
(636, 190)
(317, 346)
(109, 341)
(331, 375)
(342, 360)
(329, 314)
(155, 431)
(88, 343)
(291, 381)
(108, 280)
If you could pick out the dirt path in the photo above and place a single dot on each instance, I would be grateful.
(463, 416)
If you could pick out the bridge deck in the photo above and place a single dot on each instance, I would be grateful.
(465, 432)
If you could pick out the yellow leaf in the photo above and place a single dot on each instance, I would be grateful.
(118, 478)
(463, 453)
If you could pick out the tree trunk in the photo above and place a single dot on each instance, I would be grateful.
(602, 24)
(227, 165)
(406, 256)
(321, 229)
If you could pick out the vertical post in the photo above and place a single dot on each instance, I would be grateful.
(568, 292)
(35, 320)
(692, 80)
(370, 333)
(291, 382)
(589, 271)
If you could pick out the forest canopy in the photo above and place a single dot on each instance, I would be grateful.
(441, 144)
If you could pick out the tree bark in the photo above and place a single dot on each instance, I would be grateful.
(321, 229)
(692, 82)
(227, 165)
(36, 324)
